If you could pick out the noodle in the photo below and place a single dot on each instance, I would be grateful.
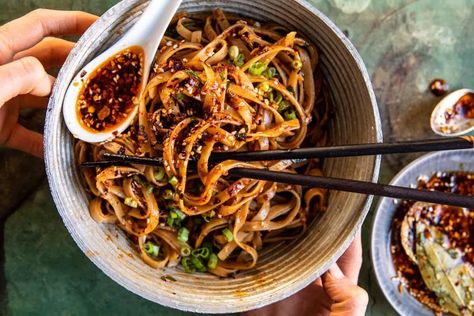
(218, 84)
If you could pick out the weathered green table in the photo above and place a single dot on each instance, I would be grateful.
(404, 44)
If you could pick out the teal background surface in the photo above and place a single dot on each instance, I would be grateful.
(405, 44)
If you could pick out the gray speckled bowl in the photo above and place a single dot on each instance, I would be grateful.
(283, 269)
(405, 304)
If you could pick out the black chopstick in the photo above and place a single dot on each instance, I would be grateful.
(356, 186)
(349, 150)
(451, 143)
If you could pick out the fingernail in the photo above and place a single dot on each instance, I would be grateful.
(336, 272)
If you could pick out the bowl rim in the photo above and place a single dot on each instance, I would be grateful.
(374, 236)
(297, 286)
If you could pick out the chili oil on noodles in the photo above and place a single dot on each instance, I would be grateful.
(219, 83)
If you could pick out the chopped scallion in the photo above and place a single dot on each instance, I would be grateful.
(297, 64)
(180, 96)
(233, 52)
(159, 174)
(240, 60)
(265, 87)
(228, 234)
(173, 181)
(207, 216)
(290, 115)
(131, 202)
(257, 68)
(185, 250)
(270, 72)
(178, 213)
(201, 252)
(212, 263)
(183, 234)
(276, 97)
(149, 188)
(187, 265)
(283, 106)
(170, 221)
(152, 249)
(198, 264)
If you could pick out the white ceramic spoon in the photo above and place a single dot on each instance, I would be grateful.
(147, 34)
(456, 127)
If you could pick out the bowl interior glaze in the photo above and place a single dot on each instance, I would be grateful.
(282, 269)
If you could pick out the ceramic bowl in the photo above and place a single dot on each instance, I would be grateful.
(282, 269)
(404, 303)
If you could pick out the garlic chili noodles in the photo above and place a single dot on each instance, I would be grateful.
(219, 83)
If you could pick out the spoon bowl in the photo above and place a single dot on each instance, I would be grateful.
(454, 127)
(144, 38)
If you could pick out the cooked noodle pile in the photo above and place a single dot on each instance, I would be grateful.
(218, 84)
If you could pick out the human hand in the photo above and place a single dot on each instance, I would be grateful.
(336, 293)
(26, 53)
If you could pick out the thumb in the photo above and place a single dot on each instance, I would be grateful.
(348, 299)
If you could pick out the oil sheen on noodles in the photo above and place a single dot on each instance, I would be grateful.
(219, 83)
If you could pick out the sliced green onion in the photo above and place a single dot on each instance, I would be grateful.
(283, 106)
(180, 96)
(167, 194)
(278, 97)
(170, 221)
(198, 264)
(240, 60)
(297, 64)
(212, 263)
(257, 68)
(201, 252)
(131, 202)
(270, 72)
(159, 174)
(185, 250)
(187, 265)
(183, 234)
(177, 213)
(265, 87)
(290, 115)
(207, 216)
(228, 234)
(152, 249)
(233, 52)
(173, 181)
(149, 188)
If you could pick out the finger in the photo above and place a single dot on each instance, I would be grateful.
(25, 140)
(348, 298)
(29, 101)
(51, 51)
(25, 32)
(351, 261)
(24, 76)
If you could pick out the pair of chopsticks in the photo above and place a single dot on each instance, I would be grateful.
(327, 182)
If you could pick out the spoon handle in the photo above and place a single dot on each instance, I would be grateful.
(152, 24)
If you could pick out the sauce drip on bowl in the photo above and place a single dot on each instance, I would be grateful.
(110, 93)
(456, 223)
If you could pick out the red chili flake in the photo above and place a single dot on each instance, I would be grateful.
(111, 92)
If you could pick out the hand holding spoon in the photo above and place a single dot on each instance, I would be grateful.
(102, 99)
